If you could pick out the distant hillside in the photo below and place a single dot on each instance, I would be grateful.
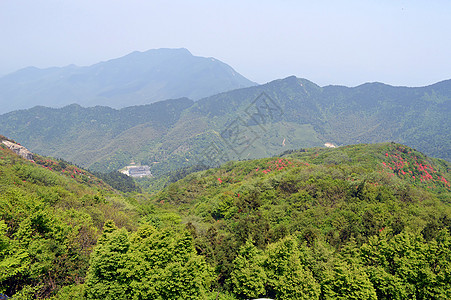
(253, 122)
(135, 79)
(89, 135)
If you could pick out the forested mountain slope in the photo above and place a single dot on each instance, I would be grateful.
(135, 79)
(296, 113)
(253, 122)
(89, 135)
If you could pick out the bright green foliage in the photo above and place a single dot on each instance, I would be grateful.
(348, 282)
(28, 292)
(4, 241)
(248, 278)
(219, 296)
(41, 247)
(71, 292)
(163, 264)
(288, 278)
(36, 175)
(49, 223)
(276, 272)
(107, 277)
(150, 264)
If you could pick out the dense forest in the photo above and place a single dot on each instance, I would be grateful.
(355, 222)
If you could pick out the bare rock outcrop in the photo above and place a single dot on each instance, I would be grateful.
(18, 149)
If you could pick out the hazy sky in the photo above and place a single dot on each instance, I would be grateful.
(328, 42)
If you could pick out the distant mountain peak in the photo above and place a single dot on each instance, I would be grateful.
(135, 79)
(159, 51)
(294, 81)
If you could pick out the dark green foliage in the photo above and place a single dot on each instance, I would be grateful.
(119, 181)
(175, 176)
(157, 183)
(89, 133)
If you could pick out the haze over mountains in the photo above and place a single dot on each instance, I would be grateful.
(251, 122)
(137, 78)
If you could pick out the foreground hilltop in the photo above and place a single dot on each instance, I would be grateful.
(363, 221)
(359, 221)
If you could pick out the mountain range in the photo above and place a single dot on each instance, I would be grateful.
(252, 122)
(311, 217)
(137, 78)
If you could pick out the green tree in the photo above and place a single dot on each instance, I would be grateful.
(405, 266)
(287, 277)
(14, 261)
(163, 264)
(107, 276)
(150, 264)
(347, 281)
(248, 278)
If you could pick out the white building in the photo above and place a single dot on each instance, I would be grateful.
(330, 145)
(137, 171)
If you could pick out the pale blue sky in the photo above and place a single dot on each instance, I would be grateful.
(328, 42)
